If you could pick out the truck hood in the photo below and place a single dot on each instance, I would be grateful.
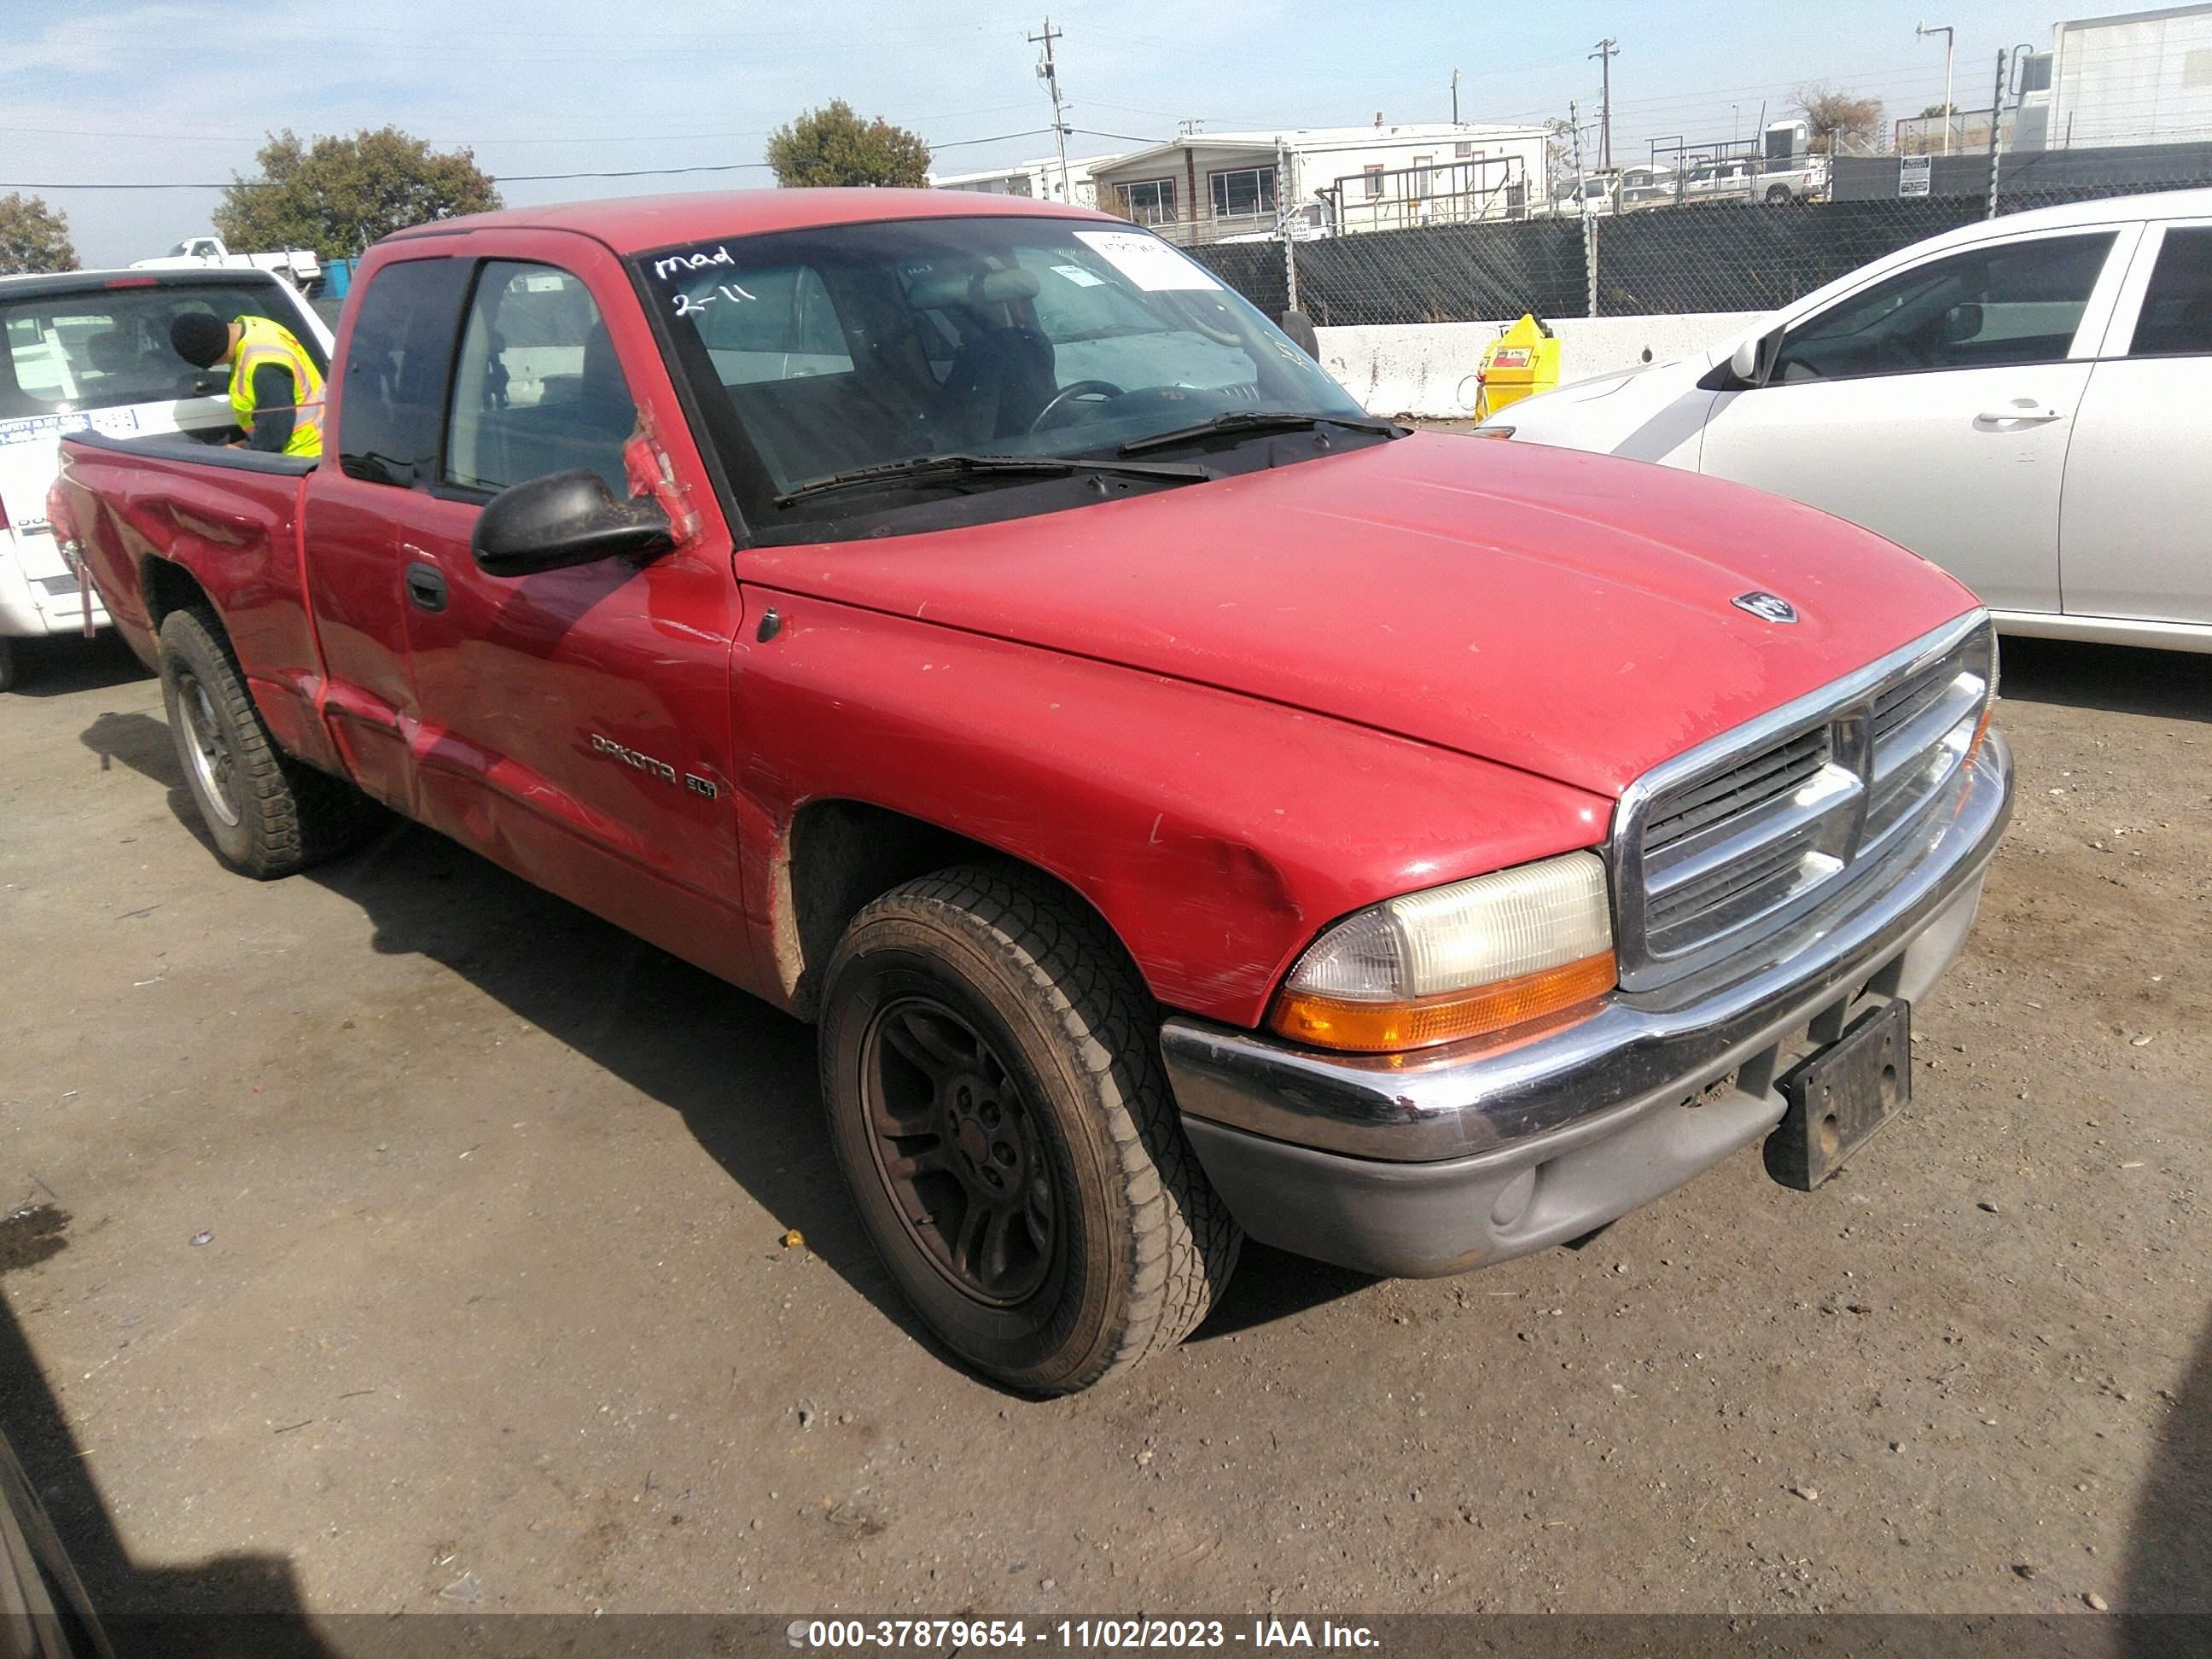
(1565, 613)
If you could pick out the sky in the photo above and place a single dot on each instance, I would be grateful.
(183, 92)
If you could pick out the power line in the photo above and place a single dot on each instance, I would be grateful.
(548, 177)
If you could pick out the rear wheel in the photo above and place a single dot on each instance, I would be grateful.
(1778, 194)
(996, 1100)
(267, 814)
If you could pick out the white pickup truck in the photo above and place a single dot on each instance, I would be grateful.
(296, 265)
(88, 351)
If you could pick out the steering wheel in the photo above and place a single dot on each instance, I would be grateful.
(1068, 394)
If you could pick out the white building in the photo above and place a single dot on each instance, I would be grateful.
(1207, 187)
(2141, 77)
(1040, 179)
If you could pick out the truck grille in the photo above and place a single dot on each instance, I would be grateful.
(1747, 838)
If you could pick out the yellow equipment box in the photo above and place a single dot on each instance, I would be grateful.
(1519, 363)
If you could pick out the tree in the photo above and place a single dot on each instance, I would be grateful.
(33, 237)
(1840, 120)
(833, 146)
(338, 195)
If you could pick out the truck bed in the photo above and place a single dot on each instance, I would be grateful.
(228, 519)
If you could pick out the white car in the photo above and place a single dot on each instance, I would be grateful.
(89, 351)
(2024, 401)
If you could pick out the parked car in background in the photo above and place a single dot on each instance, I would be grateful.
(1647, 187)
(1623, 190)
(927, 612)
(1719, 181)
(2023, 401)
(1752, 179)
(88, 351)
(296, 265)
(1800, 177)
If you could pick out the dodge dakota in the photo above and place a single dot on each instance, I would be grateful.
(1185, 806)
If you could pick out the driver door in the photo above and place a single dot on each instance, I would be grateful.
(574, 723)
(1934, 407)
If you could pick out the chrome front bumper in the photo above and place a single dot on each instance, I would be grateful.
(1449, 1159)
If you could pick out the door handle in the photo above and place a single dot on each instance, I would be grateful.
(2023, 414)
(426, 585)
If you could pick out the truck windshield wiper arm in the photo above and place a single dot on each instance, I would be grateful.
(923, 469)
(1255, 420)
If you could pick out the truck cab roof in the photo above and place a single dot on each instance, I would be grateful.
(636, 224)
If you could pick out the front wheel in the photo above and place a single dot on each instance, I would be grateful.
(996, 1100)
(7, 664)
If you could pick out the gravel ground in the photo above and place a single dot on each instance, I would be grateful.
(399, 1237)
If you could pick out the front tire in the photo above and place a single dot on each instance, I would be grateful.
(7, 661)
(268, 815)
(996, 1100)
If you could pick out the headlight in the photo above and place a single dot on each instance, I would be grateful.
(1478, 958)
(1492, 432)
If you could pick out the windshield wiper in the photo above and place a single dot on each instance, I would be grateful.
(925, 469)
(1255, 420)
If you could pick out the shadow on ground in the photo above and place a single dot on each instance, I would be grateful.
(232, 1607)
(741, 1075)
(2169, 1567)
(2120, 679)
(56, 667)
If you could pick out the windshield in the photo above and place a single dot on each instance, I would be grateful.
(102, 348)
(822, 352)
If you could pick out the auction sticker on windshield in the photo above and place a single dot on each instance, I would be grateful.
(1148, 262)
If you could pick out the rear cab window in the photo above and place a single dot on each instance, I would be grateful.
(391, 408)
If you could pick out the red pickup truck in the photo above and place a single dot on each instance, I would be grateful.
(1187, 807)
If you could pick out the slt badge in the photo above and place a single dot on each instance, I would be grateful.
(1767, 607)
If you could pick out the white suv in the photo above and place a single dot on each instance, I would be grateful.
(89, 351)
(2023, 401)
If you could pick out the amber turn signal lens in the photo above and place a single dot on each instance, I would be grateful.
(1981, 729)
(1383, 1027)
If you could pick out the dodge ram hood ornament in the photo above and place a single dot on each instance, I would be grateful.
(1767, 607)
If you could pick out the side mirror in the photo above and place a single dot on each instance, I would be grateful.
(565, 519)
(1752, 364)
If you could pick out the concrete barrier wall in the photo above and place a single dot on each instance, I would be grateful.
(1429, 368)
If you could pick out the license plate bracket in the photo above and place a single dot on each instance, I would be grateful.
(1841, 1096)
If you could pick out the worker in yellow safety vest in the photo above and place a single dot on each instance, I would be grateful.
(276, 390)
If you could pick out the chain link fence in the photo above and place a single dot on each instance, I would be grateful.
(1730, 256)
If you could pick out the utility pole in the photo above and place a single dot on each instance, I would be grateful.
(1950, 41)
(1589, 222)
(1454, 97)
(1997, 108)
(1606, 50)
(1049, 73)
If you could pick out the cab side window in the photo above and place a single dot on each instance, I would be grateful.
(2177, 308)
(2013, 303)
(393, 403)
(538, 388)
